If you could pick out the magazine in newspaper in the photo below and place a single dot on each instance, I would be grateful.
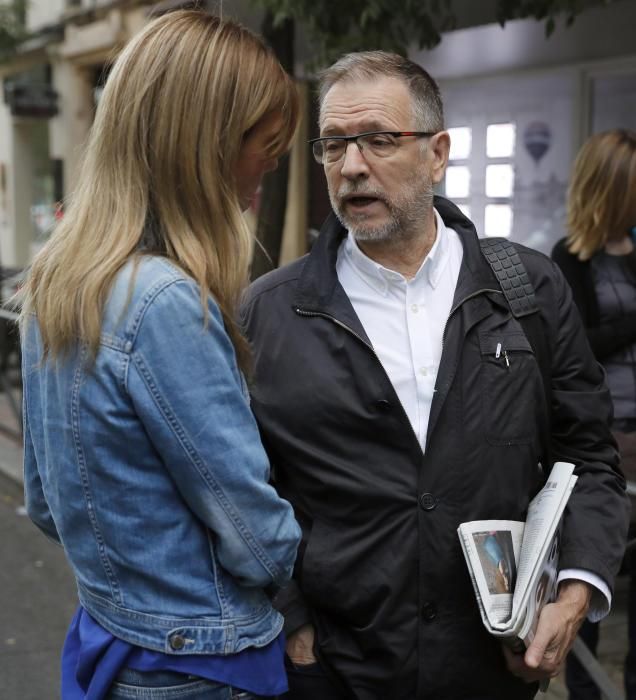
(514, 565)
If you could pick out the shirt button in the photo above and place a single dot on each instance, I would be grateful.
(423, 371)
(428, 501)
(177, 642)
(415, 308)
(429, 611)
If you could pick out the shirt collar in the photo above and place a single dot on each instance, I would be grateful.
(381, 278)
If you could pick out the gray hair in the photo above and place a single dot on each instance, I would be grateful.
(365, 65)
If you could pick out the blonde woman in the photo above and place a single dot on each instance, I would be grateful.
(142, 457)
(598, 259)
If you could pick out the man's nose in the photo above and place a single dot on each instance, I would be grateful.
(354, 164)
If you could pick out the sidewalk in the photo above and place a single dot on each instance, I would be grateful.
(39, 598)
(10, 445)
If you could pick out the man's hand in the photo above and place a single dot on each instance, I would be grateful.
(558, 625)
(300, 646)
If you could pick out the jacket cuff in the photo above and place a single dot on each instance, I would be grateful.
(290, 602)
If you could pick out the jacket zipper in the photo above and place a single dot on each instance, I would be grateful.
(344, 326)
(459, 303)
(333, 319)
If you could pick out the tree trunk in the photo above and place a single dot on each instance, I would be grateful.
(273, 199)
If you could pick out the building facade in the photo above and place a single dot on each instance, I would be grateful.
(48, 95)
(518, 103)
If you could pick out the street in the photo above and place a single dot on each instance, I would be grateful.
(38, 601)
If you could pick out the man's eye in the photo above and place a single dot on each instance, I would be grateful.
(380, 140)
(332, 146)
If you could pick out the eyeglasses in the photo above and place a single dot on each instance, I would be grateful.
(381, 144)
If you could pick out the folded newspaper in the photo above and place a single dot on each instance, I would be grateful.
(514, 565)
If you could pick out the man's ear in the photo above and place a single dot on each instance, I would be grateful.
(439, 148)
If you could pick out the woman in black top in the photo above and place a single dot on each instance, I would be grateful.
(598, 259)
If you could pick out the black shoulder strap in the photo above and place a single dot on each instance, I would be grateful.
(516, 286)
(511, 274)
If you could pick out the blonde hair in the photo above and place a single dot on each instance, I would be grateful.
(602, 193)
(158, 174)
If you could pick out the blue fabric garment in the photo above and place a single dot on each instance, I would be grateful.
(92, 658)
(152, 445)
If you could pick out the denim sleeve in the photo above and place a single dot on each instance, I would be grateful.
(187, 390)
(34, 500)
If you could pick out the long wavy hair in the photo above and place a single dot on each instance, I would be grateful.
(158, 174)
(601, 198)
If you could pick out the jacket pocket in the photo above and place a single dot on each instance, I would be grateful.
(350, 571)
(510, 382)
(315, 576)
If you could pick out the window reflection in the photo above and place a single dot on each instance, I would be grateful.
(498, 220)
(499, 180)
(461, 142)
(457, 181)
(500, 140)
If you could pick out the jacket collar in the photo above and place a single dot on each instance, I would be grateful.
(319, 290)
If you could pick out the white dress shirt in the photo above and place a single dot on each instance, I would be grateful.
(405, 319)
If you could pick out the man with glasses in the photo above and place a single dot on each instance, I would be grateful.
(398, 397)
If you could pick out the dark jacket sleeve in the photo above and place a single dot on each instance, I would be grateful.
(288, 600)
(605, 338)
(597, 515)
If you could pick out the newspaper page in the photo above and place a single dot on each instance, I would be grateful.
(491, 548)
(539, 536)
(542, 591)
(513, 565)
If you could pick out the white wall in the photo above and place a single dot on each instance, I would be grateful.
(42, 13)
(7, 254)
(597, 34)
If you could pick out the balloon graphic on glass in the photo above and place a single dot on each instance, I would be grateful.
(537, 139)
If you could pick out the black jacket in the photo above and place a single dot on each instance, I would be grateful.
(380, 572)
(605, 338)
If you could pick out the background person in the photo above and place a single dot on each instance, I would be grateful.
(598, 259)
(390, 418)
(142, 457)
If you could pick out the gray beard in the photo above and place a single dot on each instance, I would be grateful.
(405, 215)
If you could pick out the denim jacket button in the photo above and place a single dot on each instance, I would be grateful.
(177, 642)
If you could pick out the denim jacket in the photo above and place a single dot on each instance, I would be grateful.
(148, 468)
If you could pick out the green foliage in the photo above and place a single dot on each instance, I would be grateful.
(357, 25)
(12, 27)
(395, 25)
(547, 10)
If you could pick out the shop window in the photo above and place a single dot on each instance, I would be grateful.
(461, 142)
(500, 140)
(480, 178)
(499, 180)
(498, 220)
(457, 182)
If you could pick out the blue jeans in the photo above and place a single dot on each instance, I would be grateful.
(167, 685)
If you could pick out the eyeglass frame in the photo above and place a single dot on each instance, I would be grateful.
(349, 139)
